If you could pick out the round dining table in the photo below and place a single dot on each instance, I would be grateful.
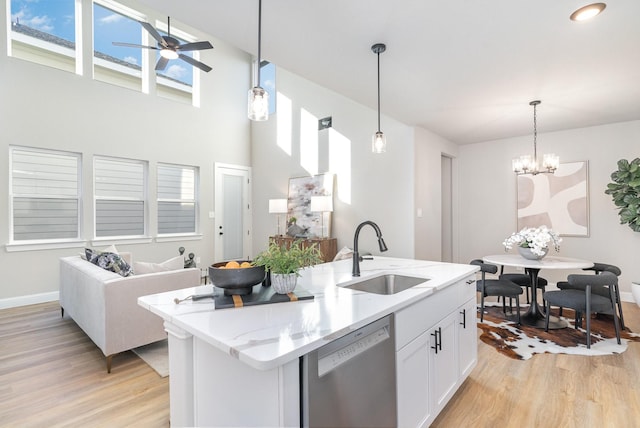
(535, 315)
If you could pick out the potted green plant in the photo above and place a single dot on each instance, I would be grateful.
(625, 191)
(284, 263)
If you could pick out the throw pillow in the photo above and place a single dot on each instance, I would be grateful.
(112, 262)
(173, 263)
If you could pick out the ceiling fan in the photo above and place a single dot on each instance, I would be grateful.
(170, 47)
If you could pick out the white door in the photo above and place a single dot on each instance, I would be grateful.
(232, 212)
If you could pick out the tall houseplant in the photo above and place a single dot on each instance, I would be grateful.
(284, 263)
(625, 191)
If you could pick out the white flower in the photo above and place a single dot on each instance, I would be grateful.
(536, 238)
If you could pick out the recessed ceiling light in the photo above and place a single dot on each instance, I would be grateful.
(587, 12)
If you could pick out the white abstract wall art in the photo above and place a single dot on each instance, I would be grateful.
(559, 201)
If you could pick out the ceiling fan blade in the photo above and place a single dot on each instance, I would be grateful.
(196, 46)
(131, 45)
(154, 33)
(162, 63)
(195, 63)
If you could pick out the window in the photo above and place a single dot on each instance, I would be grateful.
(268, 83)
(177, 199)
(44, 32)
(120, 197)
(45, 195)
(121, 65)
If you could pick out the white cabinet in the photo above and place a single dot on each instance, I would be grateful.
(436, 349)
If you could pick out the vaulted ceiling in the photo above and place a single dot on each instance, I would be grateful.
(465, 70)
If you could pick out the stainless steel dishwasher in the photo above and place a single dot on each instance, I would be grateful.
(351, 382)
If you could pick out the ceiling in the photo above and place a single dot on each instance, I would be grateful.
(465, 70)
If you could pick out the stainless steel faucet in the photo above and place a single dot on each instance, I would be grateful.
(355, 271)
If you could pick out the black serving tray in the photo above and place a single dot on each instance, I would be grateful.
(260, 296)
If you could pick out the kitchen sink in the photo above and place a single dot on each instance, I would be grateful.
(385, 284)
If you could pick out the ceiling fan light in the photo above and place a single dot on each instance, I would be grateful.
(587, 12)
(169, 54)
(258, 104)
(379, 143)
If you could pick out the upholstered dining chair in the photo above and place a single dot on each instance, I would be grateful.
(524, 280)
(599, 268)
(587, 295)
(496, 287)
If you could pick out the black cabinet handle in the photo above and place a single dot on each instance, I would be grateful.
(437, 335)
(464, 318)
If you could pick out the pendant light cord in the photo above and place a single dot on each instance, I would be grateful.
(535, 134)
(378, 91)
(259, 38)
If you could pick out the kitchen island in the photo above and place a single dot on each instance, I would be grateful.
(240, 366)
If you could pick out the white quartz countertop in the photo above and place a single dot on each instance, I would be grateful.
(270, 335)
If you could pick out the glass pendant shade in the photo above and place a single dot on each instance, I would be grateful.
(258, 104)
(379, 143)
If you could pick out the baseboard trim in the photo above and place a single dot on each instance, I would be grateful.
(32, 299)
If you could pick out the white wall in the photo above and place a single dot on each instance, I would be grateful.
(47, 108)
(374, 187)
(488, 195)
(429, 149)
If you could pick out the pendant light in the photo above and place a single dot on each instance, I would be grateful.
(528, 165)
(379, 143)
(258, 97)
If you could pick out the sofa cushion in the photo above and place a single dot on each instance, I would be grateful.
(174, 263)
(112, 262)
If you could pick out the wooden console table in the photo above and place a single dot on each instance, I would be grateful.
(328, 246)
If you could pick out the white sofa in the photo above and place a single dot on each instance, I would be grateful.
(105, 304)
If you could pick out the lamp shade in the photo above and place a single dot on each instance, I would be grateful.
(277, 206)
(321, 204)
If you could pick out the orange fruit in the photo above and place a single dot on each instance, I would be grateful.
(245, 265)
(232, 265)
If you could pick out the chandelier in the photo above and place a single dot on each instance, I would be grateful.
(529, 165)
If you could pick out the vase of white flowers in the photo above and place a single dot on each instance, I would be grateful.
(533, 242)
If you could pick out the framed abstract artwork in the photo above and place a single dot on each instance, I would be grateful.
(559, 200)
(301, 189)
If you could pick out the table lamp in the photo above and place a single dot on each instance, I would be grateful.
(278, 206)
(321, 204)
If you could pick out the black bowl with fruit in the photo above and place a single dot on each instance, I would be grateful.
(236, 277)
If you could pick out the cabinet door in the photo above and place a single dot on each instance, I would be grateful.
(443, 361)
(413, 382)
(468, 338)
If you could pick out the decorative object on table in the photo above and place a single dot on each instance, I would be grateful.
(328, 246)
(522, 342)
(285, 263)
(189, 262)
(324, 206)
(625, 192)
(533, 243)
(529, 165)
(278, 206)
(558, 200)
(301, 189)
(236, 277)
(295, 231)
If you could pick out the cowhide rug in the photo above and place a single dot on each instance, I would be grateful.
(522, 342)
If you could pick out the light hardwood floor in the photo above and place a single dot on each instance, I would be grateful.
(52, 375)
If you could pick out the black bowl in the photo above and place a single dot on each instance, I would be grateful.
(236, 280)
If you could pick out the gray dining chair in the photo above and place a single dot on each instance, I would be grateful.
(496, 287)
(524, 280)
(587, 295)
(599, 268)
